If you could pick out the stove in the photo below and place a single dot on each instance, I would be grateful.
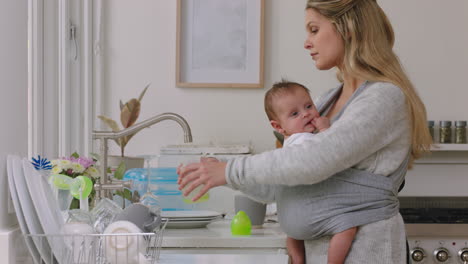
(437, 229)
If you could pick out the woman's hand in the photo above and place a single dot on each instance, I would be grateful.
(209, 173)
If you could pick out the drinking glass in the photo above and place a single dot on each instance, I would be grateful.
(149, 199)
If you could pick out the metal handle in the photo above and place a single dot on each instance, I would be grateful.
(113, 186)
(104, 136)
(126, 184)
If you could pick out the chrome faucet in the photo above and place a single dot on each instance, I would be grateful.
(105, 185)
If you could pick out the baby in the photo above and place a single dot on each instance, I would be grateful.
(292, 113)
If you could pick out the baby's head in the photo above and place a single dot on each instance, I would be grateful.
(289, 108)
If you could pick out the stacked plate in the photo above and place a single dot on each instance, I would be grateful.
(37, 210)
(190, 219)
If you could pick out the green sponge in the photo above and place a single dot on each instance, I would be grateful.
(241, 225)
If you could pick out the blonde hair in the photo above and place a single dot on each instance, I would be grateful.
(369, 38)
(278, 89)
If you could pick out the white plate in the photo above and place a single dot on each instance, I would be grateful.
(19, 206)
(187, 224)
(191, 219)
(28, 209)
(189, 214)
(47, 208)
(194, 218)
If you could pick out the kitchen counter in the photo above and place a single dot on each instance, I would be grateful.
(222, 258)
(218, 235)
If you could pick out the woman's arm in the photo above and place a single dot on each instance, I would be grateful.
(212, 169)
(373, 120)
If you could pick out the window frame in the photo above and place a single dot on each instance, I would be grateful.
(60, 88)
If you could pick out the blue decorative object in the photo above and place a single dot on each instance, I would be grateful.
(41, 163)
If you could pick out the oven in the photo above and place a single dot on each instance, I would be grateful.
(437, 229)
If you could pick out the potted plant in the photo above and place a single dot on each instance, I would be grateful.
(129, 113)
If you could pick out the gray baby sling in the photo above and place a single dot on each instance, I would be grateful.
(347, 199)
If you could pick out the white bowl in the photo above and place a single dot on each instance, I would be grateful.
(124, 248)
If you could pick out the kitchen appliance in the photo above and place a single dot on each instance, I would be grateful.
(437, 228)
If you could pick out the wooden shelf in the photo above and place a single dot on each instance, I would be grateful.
(449, 147)
(446, 154)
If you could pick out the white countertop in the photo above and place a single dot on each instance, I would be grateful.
(218, 235)
(222, 258)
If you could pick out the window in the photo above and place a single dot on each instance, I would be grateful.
(60, 92)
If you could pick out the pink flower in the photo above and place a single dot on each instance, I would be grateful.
(85, 162)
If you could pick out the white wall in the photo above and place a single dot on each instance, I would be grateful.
(140, 47)
(14, 86)
(432, 43)
(13, 106)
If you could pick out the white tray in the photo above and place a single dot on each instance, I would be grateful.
(205, 149)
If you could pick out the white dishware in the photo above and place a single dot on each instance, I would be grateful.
(122, 244)
(46, 208)
(188, 224)
(193, 218)
(19, 207)
(190, 219)
(29, 210)
(141, 216)
(189, 214)
(80, 245)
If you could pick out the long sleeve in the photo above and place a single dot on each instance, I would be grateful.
(374, 121)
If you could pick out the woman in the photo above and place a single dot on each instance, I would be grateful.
(377, 119)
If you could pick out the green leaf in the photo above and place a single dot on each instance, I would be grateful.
(75, 204)
(127, 194)
(120, 171)
(75, 155)
(95, 156)
(119, 193)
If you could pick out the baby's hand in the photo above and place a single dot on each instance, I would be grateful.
(322, 123)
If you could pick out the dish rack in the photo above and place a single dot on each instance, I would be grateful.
(117, 248)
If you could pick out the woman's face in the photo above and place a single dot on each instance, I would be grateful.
(323, 41)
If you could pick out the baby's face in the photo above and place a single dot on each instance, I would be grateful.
(296, 113)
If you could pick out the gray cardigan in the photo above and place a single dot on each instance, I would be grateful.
(372, 134)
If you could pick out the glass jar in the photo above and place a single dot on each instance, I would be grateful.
(445, 132)
(430, 126)
(460, 132)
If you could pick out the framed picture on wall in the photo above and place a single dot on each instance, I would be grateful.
(220, 43)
